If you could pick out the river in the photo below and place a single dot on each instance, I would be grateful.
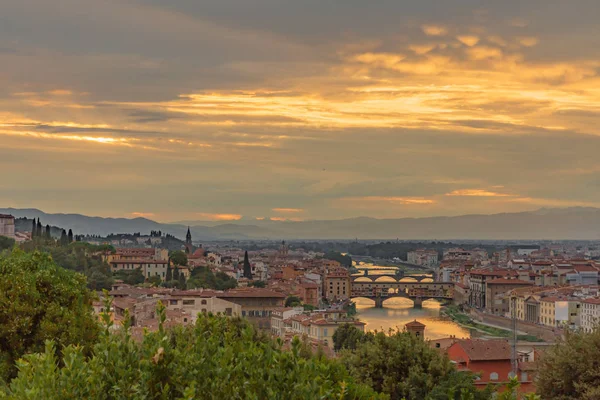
(396, 312)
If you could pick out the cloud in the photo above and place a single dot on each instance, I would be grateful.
(469, 40)
(137, 214)
(219, 217)
(476, 193)
(407, 201)
(287, 210)
(528, 41)
(434, 30)
(284, 219)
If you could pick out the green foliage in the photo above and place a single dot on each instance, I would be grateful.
(131, 277)
(203, 277)
(571, 369)
(179, 258)
(219, 357)
(403, 366)
(41, 301)
(347, 337)
(293, 301)
(6, 243)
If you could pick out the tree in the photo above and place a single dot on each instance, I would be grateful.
(169, 275)
(64, 240)
(181, 281)
(38, 230)
(293, 301)
(179, 258)
(347, 337)
(258, 284)
(569, 369)
(40, 301)
(404, 366)
(132, 277)
(6, 243)
(247, 267)
(33, 229)
(176, 274)
(70, 236)
(217, 357)
(48, 234)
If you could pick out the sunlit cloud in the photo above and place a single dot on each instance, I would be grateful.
(285, 219)
(138, 214)
(287, 210)
(408, 201)
(434, 30)
(469, 40)
(476, 193)
(528, 41)
(219, 217)
(422, 49)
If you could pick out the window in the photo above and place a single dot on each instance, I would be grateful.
(204, 311)
(523, 376)
(494, 376)
(189, 302)
(203, 302)
(228, 311)
(325, 333)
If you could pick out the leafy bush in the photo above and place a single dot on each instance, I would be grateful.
(39, 301)
(219, 357)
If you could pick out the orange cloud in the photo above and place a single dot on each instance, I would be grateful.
(283, 219)
(219, 217)
(287, 210)
(476, 193)
(528, 41)
(392, 199)
(138, 214)
(469, 40)
(434, 30)
(422, 49)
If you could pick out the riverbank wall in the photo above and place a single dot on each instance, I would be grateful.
(543, 332)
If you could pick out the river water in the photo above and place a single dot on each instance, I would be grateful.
(396, 312)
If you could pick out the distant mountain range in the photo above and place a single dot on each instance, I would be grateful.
(576, 223)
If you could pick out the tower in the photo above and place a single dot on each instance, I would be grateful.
(415, 328)
(189, 248)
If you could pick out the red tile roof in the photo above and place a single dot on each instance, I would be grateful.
(485, 350)
(504, 281)
(415, 324)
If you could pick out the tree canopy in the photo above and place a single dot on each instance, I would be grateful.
(203, 277)
(405, 367)
(570, 369)
(40, 301)
(179, 258)
(219, 357)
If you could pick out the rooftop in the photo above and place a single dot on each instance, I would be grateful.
(485, 350)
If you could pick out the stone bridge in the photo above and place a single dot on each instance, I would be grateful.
(394, 276)
(416, 291)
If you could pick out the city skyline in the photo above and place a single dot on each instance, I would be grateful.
(228, 110)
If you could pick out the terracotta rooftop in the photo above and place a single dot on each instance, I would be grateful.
(591, 301)
(504, 281)
(485, 350)
(415, 324)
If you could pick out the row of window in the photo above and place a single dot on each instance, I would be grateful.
(257, 313)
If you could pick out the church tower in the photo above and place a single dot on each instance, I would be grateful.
(188, 242)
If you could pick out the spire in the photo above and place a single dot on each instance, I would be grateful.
(188, 237)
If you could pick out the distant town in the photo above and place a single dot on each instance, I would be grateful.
(538, 291)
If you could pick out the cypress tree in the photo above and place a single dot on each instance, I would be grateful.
(64, 240)
(33, 229)
(48, 234)
(70, 236)
(175, 274)
(39, 228)
(181, 281)
(169, 276)
(247, 266)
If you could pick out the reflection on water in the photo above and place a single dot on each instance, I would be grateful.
(398, 311)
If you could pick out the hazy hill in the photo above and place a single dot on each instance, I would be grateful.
(566, 223)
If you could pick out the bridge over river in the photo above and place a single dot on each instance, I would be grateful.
(379, 290)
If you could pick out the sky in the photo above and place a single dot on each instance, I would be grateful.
(296, 110)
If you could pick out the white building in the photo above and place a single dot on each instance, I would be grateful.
(7, 226)
(423, 257)
(279, 315)
(590, 314)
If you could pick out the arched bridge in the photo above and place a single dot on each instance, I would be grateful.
(417, 291)
(394, 276)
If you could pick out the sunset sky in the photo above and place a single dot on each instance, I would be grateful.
(295, 110)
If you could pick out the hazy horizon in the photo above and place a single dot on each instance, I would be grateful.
(287, 110)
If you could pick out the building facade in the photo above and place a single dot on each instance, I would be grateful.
(7, 226)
